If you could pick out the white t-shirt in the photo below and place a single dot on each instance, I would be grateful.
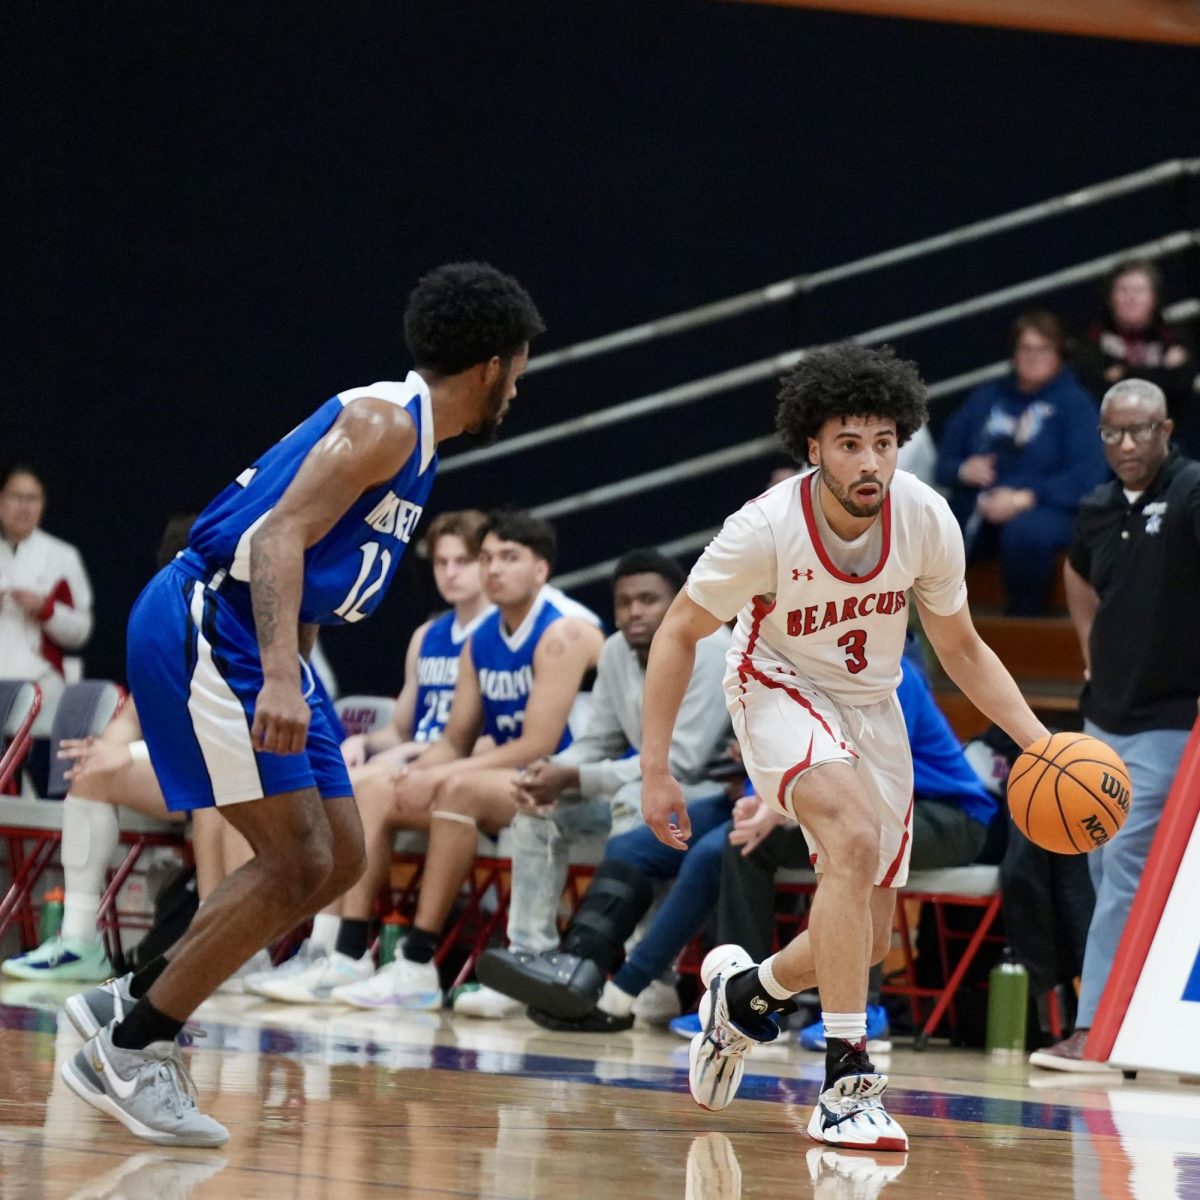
(800, 615)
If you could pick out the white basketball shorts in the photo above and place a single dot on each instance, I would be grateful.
(785, 730)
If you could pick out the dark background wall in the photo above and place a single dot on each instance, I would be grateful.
(213, 214)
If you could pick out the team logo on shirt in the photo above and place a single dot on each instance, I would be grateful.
(395, 516)
(803, 621)
(1154, 514)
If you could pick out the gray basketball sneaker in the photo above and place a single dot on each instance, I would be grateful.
(149, 1091)
(109, 1001)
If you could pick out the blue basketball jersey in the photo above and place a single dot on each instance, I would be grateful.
(347, 572)
(504, 662)
(437, 672)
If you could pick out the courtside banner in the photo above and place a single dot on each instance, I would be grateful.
(1149, 1015)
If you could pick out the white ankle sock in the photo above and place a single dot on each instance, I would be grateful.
(614, 1001)
(90, 833)
(80, 911)
(325, 931)
(771, 985)
(850, 1027)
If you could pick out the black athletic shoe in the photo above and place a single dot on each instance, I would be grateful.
(560, 984)
(594, 1022)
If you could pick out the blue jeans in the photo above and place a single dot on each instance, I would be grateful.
(1027, 546)
(1152, 758)
(541, 853)
(697, 875)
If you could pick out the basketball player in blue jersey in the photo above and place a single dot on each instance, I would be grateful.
(431, 663)
(336, 953)
(310, 534)
(517, 680)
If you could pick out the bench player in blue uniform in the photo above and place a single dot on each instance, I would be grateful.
(310, 534)
(336, 953)
(518, 678)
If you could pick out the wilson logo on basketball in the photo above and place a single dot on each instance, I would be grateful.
(1094, 829)
(1112, 787)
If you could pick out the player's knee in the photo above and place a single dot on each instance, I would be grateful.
(457, 795)
(302, 869)
(857, 855)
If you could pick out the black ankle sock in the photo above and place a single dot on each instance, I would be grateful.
(352, 937)
(749, 1002)
(143, 979)
(143, 1025)
(420, 945)
(845, 1058)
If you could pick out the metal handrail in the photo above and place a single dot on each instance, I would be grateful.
(745, 451)
(602, 570)
(765, 368)
(775, 293)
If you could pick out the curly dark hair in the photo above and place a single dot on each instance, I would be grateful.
(461, 314)
(847, 380)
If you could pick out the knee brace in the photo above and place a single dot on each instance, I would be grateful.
(617, 899)
(90, 834)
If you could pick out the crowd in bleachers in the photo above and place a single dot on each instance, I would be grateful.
(489, 734)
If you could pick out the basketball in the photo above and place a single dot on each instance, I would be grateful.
(1069, 793)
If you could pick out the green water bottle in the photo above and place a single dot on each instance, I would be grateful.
(390, 936)
(1008, 1005)
(52, 913)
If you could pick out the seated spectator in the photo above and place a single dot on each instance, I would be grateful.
(1017, 457)
(595, 784)
(340, 934)
(518, 676)
(45, 595)
(109, 772)
(732, 864)
(431, 664)
(1131, 338)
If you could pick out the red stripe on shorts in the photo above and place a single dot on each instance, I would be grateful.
(891, 872)
(792, 772)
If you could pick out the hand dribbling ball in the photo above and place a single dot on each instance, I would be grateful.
(1069, 793)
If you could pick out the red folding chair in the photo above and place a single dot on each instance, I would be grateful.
(20, 703)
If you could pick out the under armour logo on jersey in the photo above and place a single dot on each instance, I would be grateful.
(797, 572)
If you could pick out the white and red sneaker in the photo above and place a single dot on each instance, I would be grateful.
(716, 1057)
(850, 1114)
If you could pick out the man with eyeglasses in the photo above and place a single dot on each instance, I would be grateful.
(45, 595)
(1133, 587)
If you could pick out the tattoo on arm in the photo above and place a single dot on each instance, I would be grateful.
(264, 593)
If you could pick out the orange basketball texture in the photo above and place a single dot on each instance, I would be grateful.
(1069, 793)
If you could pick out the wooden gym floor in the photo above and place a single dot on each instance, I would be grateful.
(326, 1104)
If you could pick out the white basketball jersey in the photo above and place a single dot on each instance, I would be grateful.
(799, 616)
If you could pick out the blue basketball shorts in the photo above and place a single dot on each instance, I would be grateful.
(194, 671)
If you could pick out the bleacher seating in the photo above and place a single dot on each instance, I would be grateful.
(20, 703)
(1041, 652)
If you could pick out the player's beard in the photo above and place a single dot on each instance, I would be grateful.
(487, 430)
(843, 497)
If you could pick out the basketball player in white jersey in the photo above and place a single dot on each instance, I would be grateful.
(818, 572)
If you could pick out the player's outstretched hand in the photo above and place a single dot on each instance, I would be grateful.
(281, 717)
(665, 811)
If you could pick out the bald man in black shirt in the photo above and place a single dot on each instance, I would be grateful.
(1133, 590)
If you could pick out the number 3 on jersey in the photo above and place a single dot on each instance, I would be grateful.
(854, 642)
